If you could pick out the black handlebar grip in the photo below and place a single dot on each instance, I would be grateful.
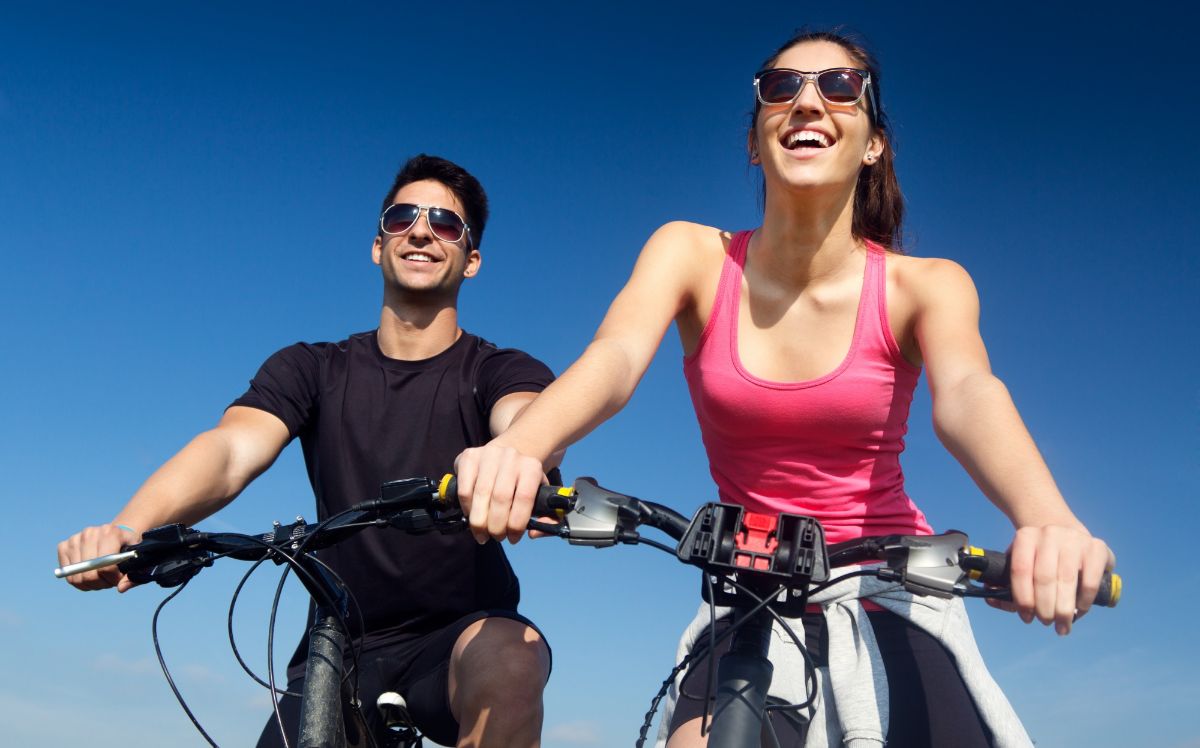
(550, 500)
(991, 567)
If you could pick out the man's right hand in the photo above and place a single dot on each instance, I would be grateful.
(92, 542)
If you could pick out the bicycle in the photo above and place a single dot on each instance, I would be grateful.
(765, 568)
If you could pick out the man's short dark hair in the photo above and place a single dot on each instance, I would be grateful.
(458, 180)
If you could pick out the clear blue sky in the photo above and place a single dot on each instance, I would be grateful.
(186, 187)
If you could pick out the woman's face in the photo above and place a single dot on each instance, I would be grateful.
(811, 142)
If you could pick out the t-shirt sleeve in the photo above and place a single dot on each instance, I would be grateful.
(506, 371)
(287, 386)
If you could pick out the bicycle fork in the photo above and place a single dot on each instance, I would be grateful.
(743, 677)
(320, 715)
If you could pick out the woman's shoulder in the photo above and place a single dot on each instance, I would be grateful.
(690, 239)
(689, 231)
(923, 277)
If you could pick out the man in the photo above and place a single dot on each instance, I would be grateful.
(440, 621)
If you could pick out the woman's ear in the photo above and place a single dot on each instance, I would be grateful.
(752, 147)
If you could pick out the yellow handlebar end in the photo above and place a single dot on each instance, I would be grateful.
(444, 485)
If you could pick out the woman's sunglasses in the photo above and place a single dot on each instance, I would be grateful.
(443, 222)
(843, 86)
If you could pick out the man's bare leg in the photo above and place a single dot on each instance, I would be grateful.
(498, 670)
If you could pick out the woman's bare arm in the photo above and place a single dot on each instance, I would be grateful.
(506, 472)
(1056, 563)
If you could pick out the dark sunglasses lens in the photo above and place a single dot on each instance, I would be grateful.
(445, 225)
(841, 86)
(779, 86)
(399, 218)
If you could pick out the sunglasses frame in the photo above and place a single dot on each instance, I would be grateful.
(813, 77)
(425, 210)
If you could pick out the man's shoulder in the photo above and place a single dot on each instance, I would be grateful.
(483, 350)
(325, 349)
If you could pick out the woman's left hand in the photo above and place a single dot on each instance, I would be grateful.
(1055, 572)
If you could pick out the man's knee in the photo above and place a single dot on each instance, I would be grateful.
(499, 658)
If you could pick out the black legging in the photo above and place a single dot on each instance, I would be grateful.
(928, 704)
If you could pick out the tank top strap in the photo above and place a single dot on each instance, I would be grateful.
(729, 287)
(877, 333)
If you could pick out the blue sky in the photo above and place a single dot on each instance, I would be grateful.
(186, 187)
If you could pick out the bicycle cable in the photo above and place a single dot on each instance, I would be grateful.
(162, 663)
(874, 572)
(711, 685)
(762, 603)
(280, 553)
(233, 642)
(271, 550)
(271, 656)
(355, 651)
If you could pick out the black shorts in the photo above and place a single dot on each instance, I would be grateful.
(418, 668)
(928, 703)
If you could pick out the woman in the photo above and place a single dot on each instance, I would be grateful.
(803, 342)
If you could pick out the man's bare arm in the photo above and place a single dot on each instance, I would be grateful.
(199, 480)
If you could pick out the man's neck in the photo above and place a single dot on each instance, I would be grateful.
(414, 333)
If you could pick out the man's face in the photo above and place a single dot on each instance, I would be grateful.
(418, 262)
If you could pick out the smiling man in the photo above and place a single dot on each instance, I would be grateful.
(439, 611)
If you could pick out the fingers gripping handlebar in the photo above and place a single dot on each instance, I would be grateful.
(992, 567)
(551, 501)
(589, 514)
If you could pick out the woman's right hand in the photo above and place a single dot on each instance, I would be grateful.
(92, 542)
(497, 486)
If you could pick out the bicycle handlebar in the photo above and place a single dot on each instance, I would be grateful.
(717, 538)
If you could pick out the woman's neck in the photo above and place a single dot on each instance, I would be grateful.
(805, 235)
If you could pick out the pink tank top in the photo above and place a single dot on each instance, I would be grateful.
(827, 448)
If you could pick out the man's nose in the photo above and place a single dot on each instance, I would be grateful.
(420, 229)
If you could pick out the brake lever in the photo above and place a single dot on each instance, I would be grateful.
(927, 564)
(168, 540)
(600, 518)
(172, 573)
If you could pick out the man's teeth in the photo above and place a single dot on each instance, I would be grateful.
(808, 137)
(417, 257)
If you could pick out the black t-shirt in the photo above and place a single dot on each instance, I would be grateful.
(364, 419)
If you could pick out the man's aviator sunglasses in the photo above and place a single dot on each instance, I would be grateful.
(842, 86)
(443, 222)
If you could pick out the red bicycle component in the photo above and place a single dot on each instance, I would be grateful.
(756, 541)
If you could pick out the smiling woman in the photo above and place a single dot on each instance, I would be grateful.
(804, 340)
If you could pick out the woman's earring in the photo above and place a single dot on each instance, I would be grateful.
(754, 156)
